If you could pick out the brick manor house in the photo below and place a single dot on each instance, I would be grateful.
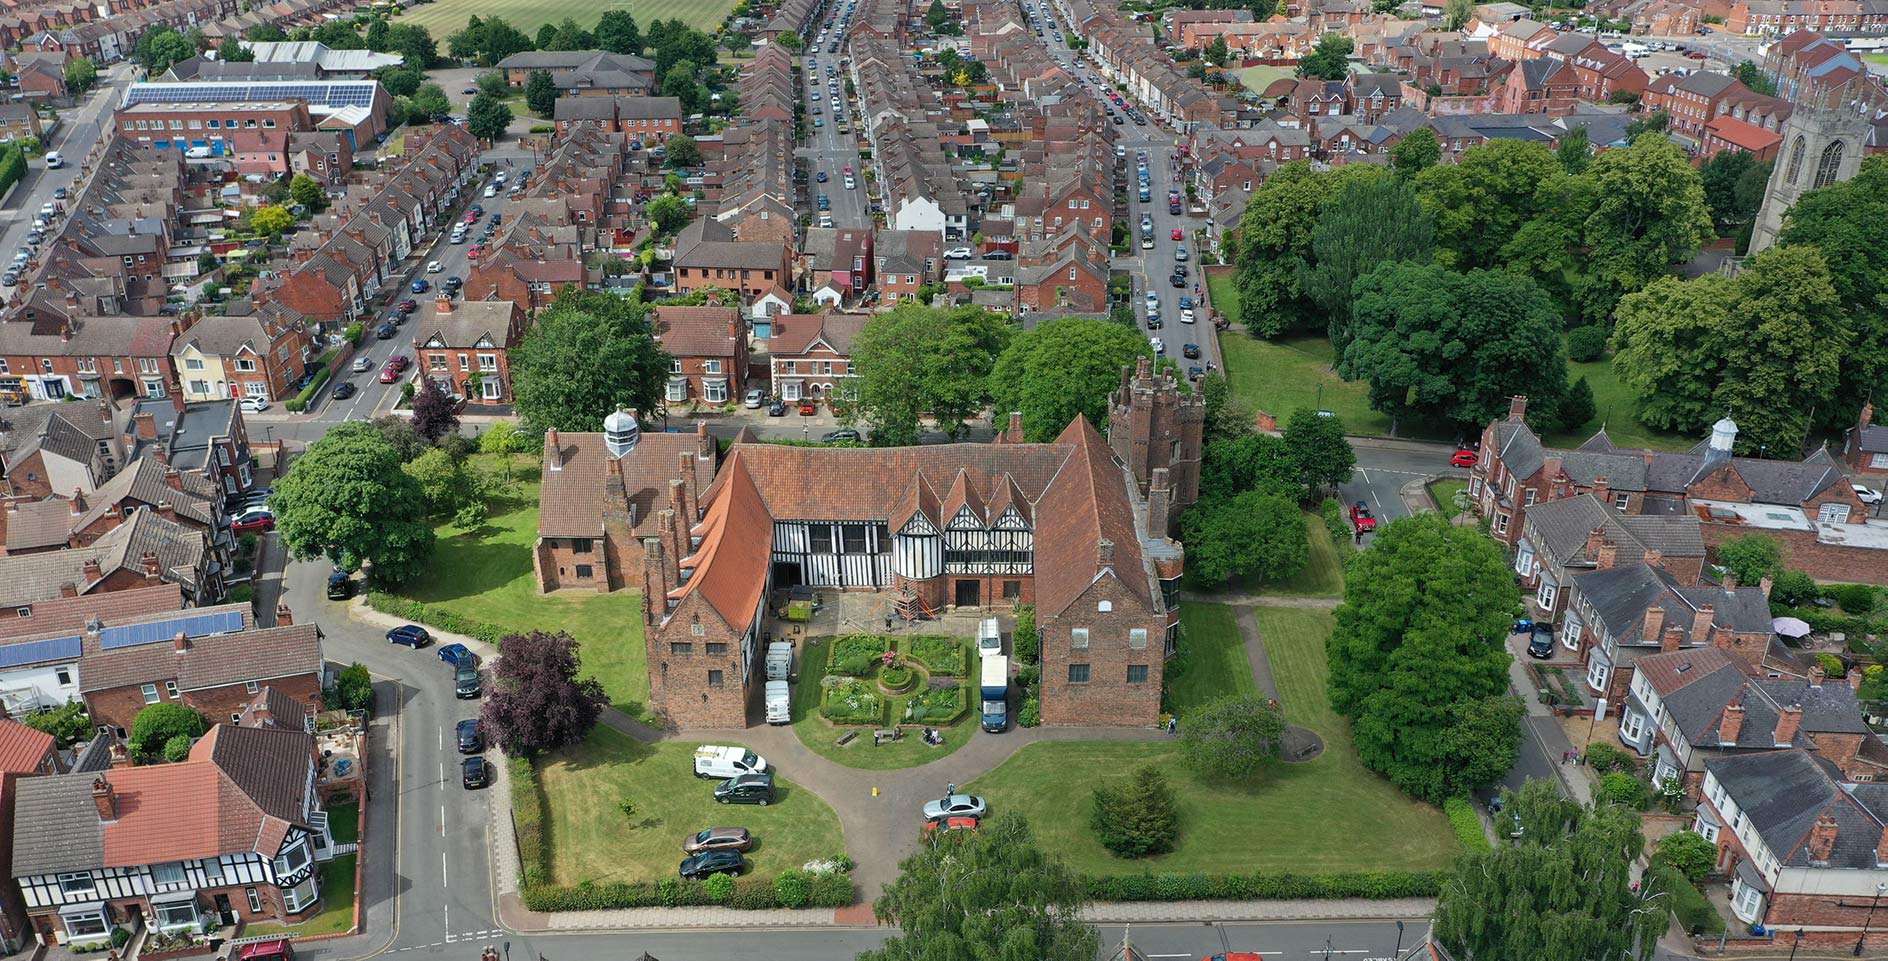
(707, 538)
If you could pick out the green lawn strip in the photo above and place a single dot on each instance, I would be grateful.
(1323, 575)
(1881, 58)
(1256, 79)
(1444, 491)
(821, 735)
(1615, 406)
(487, 575)
(1325, 815)
(344, 822)
(447, 17)
(337, 905)
(592, 840)
(1212, 660)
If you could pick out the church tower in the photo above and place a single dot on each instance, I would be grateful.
(1822, 143)
(1153, 426)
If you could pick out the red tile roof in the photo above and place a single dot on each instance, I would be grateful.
(697, 331)
(731, 563)
(22, 749)
(1086, 504)
(1742, 134)
(572, 499)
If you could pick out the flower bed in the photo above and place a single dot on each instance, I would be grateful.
(943, 703)
(896, 678)
(851, 701)
(941, 654)
(856, 655)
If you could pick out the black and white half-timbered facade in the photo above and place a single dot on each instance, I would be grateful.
(233, 832)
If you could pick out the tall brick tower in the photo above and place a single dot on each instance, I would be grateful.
(1152, 425)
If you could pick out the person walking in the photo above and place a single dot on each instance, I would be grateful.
(1173, 723)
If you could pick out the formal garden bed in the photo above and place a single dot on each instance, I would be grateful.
(856, 685)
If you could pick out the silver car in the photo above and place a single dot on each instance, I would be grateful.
(954, 806)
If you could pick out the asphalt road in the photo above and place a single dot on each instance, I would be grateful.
(77, 134)
(830, 152)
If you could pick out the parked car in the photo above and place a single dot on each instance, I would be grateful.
(340, 586)
(956, 805)
(1465, 458)
(777, 409)
(1153, 300)
(472, 773)
(1540, 642)
(1160, 347)
(746, 789)
(410, 635)
(1190, 351)
(420, 285)
(471, 736)
(1361, 518)
(407, 305)
(1867, 495)
(1179, 234)
(844, 433)
(254, 405)
(957, 253)
(434, 267)
(386, 331)
(253, 519)
(808, 408)
(1186, 303)
(465, 677)
(450, 653)
(343, 390)
(755, 396)
(390, 373)
(710, 863)
(821, 177)
(718, 839)
(362, 364)
(723, 761)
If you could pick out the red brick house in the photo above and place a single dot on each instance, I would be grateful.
(252, 350)
(217, 666)
(1542, 85)
(810, 355)
(1068, 273)
(708, 351)
(24, 752)
(1729, 133)
(41, 75)
(707, 254)
(906, 261)
(1865, 448)
(466, 346)
(603, 493)
(647, 119)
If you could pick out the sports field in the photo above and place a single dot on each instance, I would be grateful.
(443, 18)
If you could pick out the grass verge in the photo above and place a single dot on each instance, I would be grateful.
(821, 736)
(337, 905)
(1325, 815)
(344, 822)
(1443, 493)
(591, 839)
(1212, 661)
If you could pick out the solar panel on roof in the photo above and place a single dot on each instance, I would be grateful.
(343, 93)
(34, 652)
(195, 625)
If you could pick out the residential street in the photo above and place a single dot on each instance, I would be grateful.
(76, 135)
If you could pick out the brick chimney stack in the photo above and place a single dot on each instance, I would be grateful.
(1671, 640)
(1731, 724)
(1816, 676)
(1015, 433)
(704, 442)
(1159, 503)
(283, 616)
(1822, 840)
(1653, 557)
(1608, 557)
(553, 452)
(151, 568)
(1517, 408)
(1765, 584)
(68, 589)
(678, 505)
(657, 574)
(1105, 554)
(78, 502)
(146, 425)
(442, 305)
(1701, 623)
(1603, 490)
(166, 511)
(686, 473)
(173, 479)
(1788, 720)
(1654, 622)
(180, 643)
(93, 569)
(104, 800)
(1595, 539)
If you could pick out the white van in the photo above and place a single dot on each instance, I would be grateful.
(989, 637)
(54, 161)
(198, 153)
(714, 761)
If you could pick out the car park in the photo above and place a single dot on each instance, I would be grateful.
(254, 405)
(955, 805)
(746, 789)
(718, 839)
(409, 635)
(470, 735)
(253, 519)
(472, 773)
(709, 863)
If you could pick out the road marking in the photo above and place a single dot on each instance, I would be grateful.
(445, 876)
(442, 820)
(1170, 955)
(442, 775)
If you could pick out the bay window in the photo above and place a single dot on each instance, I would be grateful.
(1597, 673)
(1746, 901)
(86, 925)
(301, 895)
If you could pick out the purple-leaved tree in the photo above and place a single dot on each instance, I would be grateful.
(538, 703)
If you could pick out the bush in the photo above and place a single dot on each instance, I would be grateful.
(177, 748)
(1822, 621)
(547, 128)
(792, 889)
(720, 888)
(1028, 676)
(1852, 598)
(669, 892)
(1793, 588)
(1031, 714)
(527, 817)
(1026, 644)
(1689, 853)
(1586, 344)
(410, 610)
(1607, 758)
(1832, 666)
(937, 705)
(1136, 819)
(852, 701)
(299, 402)
(68, 725)
(1467, 825)
(856, 655)
(942, 655)
(1373, 885)
(12, 165)
(155, 726)
(355, 331)
(1695, 914)
(895, 678)
(1625, 790)
(1332, 514)
(748, 894)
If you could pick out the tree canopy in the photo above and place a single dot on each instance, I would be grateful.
(1232, 736)
(1330, 59)
(984, 895)
(487, 116)
(537, 702)
(1481, 202)
(1419, 660)
(1844, 221)
(916, 360)
(1648, 214)
(1564, 891)
(1257, 533)
(157, 724)
(540, 93)
(346, 498)
(1372, 221)
(588, 354)
(1062, 369)
(1275, 247)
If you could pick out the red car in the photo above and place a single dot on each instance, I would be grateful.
(1695, 55)
(474, 253)
(808, 408)
(1465, 458)
(471, 218)
(950, 824)
(389, 374)
(1178, 234)
(253, 519)
(1361, 518)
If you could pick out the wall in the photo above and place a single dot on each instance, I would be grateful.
(1829, 562)
(1107, 699)
(678, 682)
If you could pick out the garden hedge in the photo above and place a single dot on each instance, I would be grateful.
(856, 655)
(299, 402)
(1695, 914)
(527, 817)
(1332, 513)
(753, 894)
(1467, 825)
(418, 613)
(939, 706)
(1374, 885)
(12, 166)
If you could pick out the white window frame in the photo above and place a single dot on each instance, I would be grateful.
(1746, 901)
(67, 888)
(715, 391)
(1545, 595)
(1598, 672)
(1622, 500)
(167, 922)
(150, 693)
(301, 895)
(1632, 725)
(1832, 514)
(1078, 638)
(72, 934)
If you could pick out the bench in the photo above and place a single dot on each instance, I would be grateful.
(846, 738)
(881, 736)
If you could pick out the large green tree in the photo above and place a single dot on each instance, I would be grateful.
(1481, 202)
(1564, 891)
(922, 360)
(1448, 348)
(1733, 187)
(1418, 151)
(1275, 236)
(1252, 461)
(1648, 214)
(1232, 736)
(1062, 369)
(346, 498)
(1330, 59)
(1419, 660)
(1258, 533)
(430, 101)
(1319, 449)
(158, 49)
(1374, 220)
(540, 93)
(1764, 349)
(487, 116)
(1845, 221)
(588, 354)
(617, 32)
(984, 895)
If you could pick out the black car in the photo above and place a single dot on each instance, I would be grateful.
(844, 433)
(1540, 643)
(713, 862)
(777, 409)
(471, 736)
(344, 390)
(472, 773)
(465, 678)
(411, 635)
(386, 331)
(340, 587)
(1177, 280)
(747, 789)
(1190, 351)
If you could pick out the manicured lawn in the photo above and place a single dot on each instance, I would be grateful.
(1327, 814)
(344, 822)
(1256, 79)
(1880, 58)
(446, 17)
(822, 735)
(337, 904)
(1614, 405)
(1279, 377)
(1444, 492)
(1212, 658)
(486, 575)
(592, 840)
(1323, 575)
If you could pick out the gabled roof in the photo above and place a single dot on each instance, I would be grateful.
(1784, 793)
(697, 331)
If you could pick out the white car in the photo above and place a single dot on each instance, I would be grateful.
(1160, 349)
(363, 364)
(1186, 315)
(434, 267)
(1153, 301)
(255, 405)
(491, 190)
(957, 253)
(1866, 495)
(753, 399)
(851, 184)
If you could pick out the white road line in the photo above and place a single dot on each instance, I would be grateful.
(442, 820)
(1170, 955)
(442, 775)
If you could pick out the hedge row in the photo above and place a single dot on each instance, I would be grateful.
(1467, 825)
(527, 817)
(418, 613)
(1375, 885)
(1695, 914)
(1824, 621)
(793, 889)
(299, 402)
(1332, 513)
(12, 166)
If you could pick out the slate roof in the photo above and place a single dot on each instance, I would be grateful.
(1697, 685)
(1519, 449)
(28, 578)
(216, 660)
(68, 615)
(1560, 529)
(1874, 439)
(147, 482)
(240, 790)
(1784, 793)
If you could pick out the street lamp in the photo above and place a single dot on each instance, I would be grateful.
(1880, 889)
(1398, 953)
(1797, 944)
